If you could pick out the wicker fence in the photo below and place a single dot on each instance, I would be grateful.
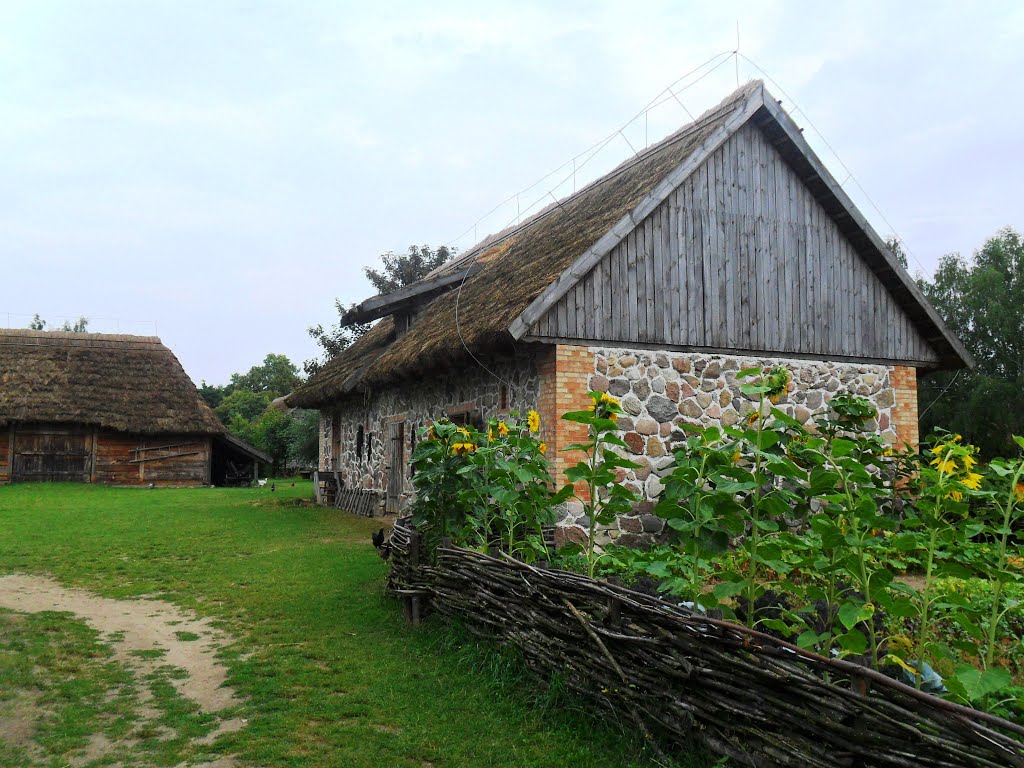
(675, 675)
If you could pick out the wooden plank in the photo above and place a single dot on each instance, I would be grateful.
(731, 272)
(652, 243)
(607, 305)
(721, 290)
(595, 283)
(92, 455)
(641, 281)
(709, 226)
(671, 252)
(696, 285)
(631, 287)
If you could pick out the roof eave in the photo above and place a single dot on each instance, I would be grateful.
(382, 305)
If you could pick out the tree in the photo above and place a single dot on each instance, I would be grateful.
(335, 340)
(272, 433)
(304, 436)
(211, 393)
(37, 324)
(243, 404)
(277, 376)
(405, 269)
(982, 302)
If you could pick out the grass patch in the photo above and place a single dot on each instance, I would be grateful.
(328, 669)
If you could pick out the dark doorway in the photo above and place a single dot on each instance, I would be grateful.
(52, 454)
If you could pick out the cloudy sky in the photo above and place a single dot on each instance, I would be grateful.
(219, 171)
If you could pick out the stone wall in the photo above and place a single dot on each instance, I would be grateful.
(662, 391)
(468, 391)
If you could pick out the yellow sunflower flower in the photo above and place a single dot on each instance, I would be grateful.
(502, 428)
(972, 481)
(490, 434)
(533, 421)
(945, 466)
(542, 447)
(460, 449)
(955, 496)
(969, 462)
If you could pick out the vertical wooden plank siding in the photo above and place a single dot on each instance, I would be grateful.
(739, 256)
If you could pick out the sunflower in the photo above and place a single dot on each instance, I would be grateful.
(462, 448)
(502, 428)
(972, 481)
(490, 434)
(542, 447)
(533, 421)
(946, 466)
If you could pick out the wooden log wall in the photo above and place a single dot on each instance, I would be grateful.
(677, 675)
(740, 257)
(171, 460)
(5, 454)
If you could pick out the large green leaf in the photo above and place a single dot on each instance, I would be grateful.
(980, 683)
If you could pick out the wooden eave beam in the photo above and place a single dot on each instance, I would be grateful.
(380, 306)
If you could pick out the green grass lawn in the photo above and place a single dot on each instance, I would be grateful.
(329, 673)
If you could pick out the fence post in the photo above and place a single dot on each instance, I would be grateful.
(614, 605)
(415, 612)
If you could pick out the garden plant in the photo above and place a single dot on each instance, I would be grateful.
(824, 536)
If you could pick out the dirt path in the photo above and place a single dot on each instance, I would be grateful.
(171, 635)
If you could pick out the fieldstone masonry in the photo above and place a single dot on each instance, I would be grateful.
(509, 385)
(662, 391)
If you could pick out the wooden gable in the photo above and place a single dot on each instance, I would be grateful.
(740, 256)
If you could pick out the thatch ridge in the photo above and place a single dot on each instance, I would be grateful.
(114, 381)
(514, 267)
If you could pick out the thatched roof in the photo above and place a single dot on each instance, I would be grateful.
(512, 269)
(486, 299)
(126, 383)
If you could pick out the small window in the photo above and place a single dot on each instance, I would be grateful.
(503, 398)
(359, 443)
(369, 446)
(468, 419)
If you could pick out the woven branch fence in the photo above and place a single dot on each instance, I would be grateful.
(674, 674)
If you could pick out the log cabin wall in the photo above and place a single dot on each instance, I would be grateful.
(5, 455)
(103, 456)
(740, 257)
(164, 460)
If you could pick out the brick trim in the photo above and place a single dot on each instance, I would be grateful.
(905, 418)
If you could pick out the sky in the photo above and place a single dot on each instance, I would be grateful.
(218, 172)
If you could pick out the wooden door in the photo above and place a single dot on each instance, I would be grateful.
(52, 454)
(396, 467)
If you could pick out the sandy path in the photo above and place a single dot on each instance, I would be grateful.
(139, 625)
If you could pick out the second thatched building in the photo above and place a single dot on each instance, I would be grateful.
(104, 408)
